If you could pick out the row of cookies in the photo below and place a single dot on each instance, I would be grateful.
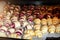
(39, 32)
(48, 21)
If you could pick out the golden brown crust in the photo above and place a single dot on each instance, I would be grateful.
(58, 28)
(55, 20)
(44, 22)
(38, 33)
(52, 29)
(37, 21)
(37, 27)
(44, 29)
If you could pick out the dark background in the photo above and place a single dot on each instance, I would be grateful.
(35, 2)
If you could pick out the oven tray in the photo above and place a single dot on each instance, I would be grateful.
(35, 38)
(47, 35)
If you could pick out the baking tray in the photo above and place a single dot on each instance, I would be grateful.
(55, 35)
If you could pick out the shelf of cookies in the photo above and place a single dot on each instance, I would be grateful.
(26, 23)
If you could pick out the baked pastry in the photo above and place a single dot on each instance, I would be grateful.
(44, 29)
(37, 27)
(29, 12)
(23, 18)
(24, 12)
(44, 22)
(29, 31)
(27, 36)
(19, 31)
(32, 33)
(49, 21)
(8, 14)
(11, 30)
(37, 21)
(11, 11)
(1, 23)
(55, 21)
(4, 28)
(14, 35)
(30, 18)
(29, 26)
(52, 29)
(7, 23)
(25, 23)
(14, 18)
(17, 24)
(38, 33)
(12, 25)
(7, 17)
(3, 34)
(58, 28)
(1, 16)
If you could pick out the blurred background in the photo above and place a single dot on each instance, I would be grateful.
(35, 2)
(29, 2)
